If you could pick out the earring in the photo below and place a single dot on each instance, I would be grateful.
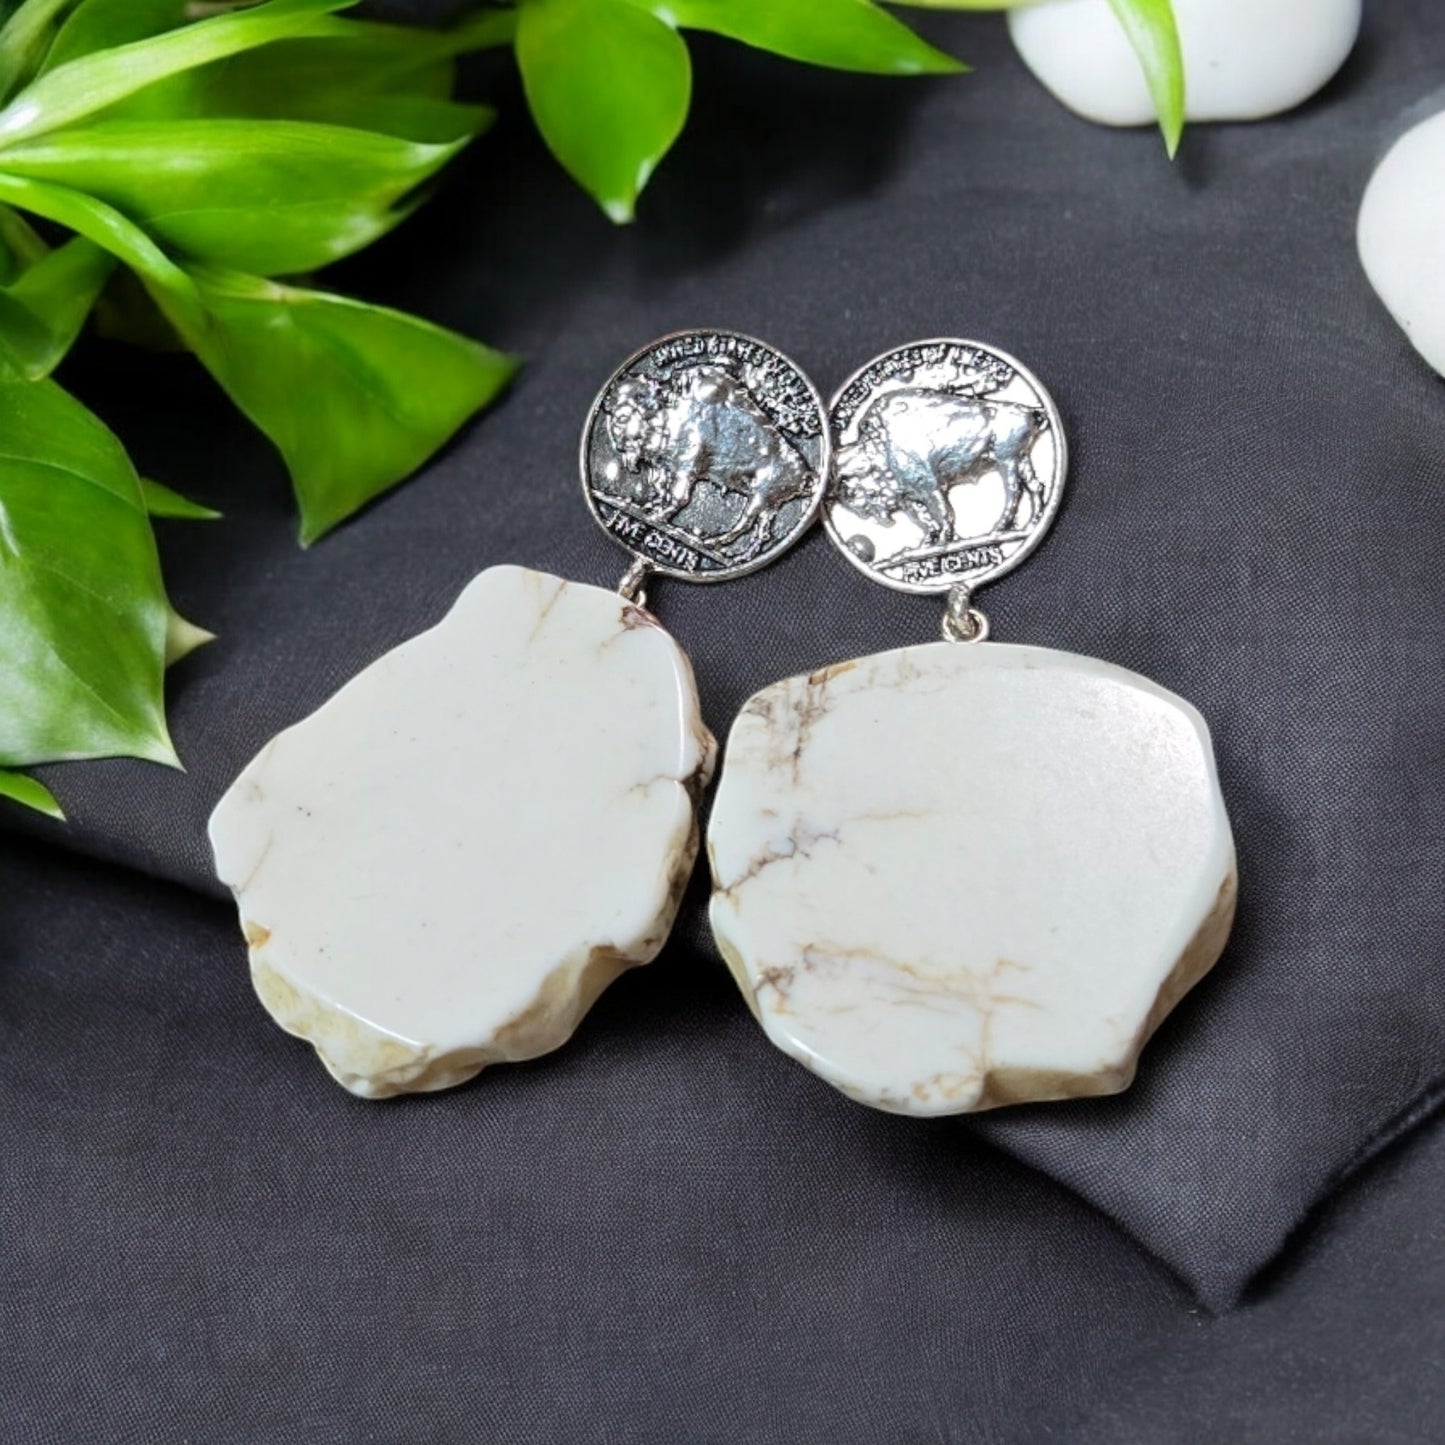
(445, 865)
(969, 873)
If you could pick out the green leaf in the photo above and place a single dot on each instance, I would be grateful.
(609, 85)
(81, 87)
(182, 637)
(408, 117)
(484, 31)
(113, 232)
(271, 198)
(95, 25)
(843, 34)
(83, 613)
(20, 245)
(24, 39)
(10, 264)
(355, 397)
(360, 48)
(389, 78)
(30, 794)
(353, 79)
(346, 60)
(161, 501)
(1150, 26)
(42, 311)
(125, 312)
(45, 295)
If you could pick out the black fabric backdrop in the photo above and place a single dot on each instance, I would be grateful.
(649, 1238)
(1256, 519)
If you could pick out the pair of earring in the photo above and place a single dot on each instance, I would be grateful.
(946, 877)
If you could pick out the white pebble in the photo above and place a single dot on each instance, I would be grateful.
(1402, 236)
(1243, 59)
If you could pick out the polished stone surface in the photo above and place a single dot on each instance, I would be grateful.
(446, 864)
(1243, 59)
(1402, 236)
(951, 877)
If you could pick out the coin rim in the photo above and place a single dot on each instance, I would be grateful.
(1026, 549)
(823, 471)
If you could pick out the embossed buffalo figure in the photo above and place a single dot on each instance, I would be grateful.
(915, 446)
(702, 424)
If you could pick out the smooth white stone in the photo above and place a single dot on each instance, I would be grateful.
(1243, 59)
(1402, 236)
(446, 864)
(952, 876)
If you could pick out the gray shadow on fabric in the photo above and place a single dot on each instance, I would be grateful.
(768, 144)
(506, 241)
(170, 412)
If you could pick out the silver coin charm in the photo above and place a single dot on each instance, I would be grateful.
(949, 466)
(706, 455)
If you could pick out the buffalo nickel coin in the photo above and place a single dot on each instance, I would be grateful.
(948, 466)
(706, 455)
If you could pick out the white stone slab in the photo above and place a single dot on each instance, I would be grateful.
(446, 864)
(1243, 59)
(951, 877)
(1402, 236)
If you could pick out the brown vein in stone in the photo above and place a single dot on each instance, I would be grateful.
(800, 845)
(802, 841)
(546, 611)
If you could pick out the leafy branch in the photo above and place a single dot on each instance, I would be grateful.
(210, 158)
(182, 163)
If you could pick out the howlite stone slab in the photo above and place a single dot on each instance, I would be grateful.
(951, 877)
(446, 864)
